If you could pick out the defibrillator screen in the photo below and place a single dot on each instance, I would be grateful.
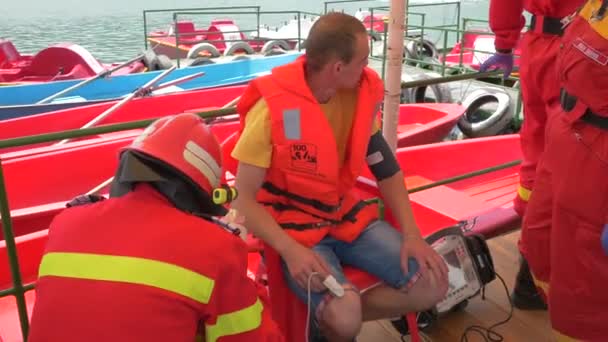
(456, 274)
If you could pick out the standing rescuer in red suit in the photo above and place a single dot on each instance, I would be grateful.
(152, 263)
(540, 96)
(570, 197)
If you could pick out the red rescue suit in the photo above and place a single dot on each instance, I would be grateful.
(569, 207)
(134, 268)
(306, 190)
(538, 74)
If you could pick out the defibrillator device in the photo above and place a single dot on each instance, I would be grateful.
(469, 263)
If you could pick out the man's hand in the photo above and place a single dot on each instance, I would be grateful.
(500, 60)
(429, 261)
(301, 262)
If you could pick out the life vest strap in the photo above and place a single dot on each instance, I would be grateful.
(318, 205)
(305, 226)
(350, 216)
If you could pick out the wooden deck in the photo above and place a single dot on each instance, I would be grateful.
(524, 325)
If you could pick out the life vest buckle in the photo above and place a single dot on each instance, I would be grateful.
(565, 21)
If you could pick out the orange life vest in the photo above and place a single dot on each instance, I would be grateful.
(306, 190)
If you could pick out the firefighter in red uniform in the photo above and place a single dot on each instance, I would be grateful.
(152, 262)
(571, 190)
(540, 96)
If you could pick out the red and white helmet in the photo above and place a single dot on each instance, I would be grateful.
(185, 143)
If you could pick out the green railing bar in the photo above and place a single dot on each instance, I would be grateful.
(12, 291)
(177, 35)
(436, 4)
(199, 9)
(11, 249)
(342, 2)
(288, 12)
(380, 203)
(473, 20)
(472, 174)
(299, 33)
(241, 12)
(438, 28)
(445, 79)
(175, 14)
(145, 31)
(465, 176)
(77, 133)
(433, 4)
(450, 180)
(381, 209)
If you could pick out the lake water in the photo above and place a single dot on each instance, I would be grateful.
(113, 30)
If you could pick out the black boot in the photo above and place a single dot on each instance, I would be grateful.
(525, 295)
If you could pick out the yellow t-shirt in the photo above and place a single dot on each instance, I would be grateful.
(254, 146)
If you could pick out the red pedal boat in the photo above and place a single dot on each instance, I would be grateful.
(58, 62)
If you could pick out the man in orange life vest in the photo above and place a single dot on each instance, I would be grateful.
(571, 190)
(152, 263)
(540, 95)
(305, 138)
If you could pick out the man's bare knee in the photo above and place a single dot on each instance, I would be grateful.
(428, 290)
(343, 315)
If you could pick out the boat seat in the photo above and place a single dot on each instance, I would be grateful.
(184, 27)
(10, 75)
(8, 52)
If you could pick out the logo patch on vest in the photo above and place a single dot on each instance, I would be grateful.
(590, 52)
(304, 157)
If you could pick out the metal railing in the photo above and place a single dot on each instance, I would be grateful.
(146, 13)
(247, 11)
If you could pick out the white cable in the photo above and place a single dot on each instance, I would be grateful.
(308, 306)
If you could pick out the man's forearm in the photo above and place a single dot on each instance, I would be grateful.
(262, 224)
(395, 195)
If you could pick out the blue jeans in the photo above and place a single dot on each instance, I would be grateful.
(376, 251)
